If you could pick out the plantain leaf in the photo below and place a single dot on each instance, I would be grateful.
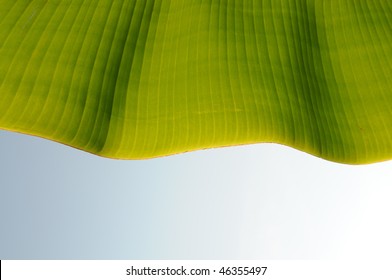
(139, 79)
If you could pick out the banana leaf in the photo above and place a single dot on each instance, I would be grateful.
(140, 79)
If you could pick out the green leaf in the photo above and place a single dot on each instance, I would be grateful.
(140, 79)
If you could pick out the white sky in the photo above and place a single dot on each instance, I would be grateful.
(262, 201)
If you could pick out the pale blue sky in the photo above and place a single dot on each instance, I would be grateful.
(262, 201)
